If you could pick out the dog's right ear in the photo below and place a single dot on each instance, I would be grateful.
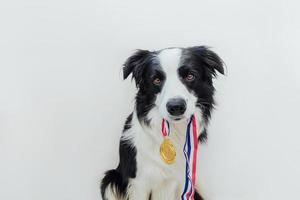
(135, 65)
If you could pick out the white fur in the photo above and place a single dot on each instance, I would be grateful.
(153, 175)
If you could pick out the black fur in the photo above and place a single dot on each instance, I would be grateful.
(126, 169)
(127, 124)
(197, 196)
(204, 64)
(150, 196)
(115, 179)
(203, 136)
(144, 68)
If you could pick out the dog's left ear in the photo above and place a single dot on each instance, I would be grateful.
(135, 64)
(209, 58)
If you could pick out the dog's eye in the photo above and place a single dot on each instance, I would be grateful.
(156, 81)
(190, 77)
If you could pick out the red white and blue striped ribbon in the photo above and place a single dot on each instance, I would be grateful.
(190, 153)
(165, 128)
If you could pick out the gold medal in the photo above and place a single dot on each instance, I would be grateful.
(167, 151)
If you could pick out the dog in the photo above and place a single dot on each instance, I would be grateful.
(172, 84)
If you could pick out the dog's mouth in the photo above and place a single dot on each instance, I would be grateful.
(176, 118)
(179, 118)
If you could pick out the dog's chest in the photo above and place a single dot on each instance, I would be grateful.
(149, 163)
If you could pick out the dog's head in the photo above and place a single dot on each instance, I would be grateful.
(174, 82)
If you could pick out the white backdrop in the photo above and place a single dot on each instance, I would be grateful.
(63, 101)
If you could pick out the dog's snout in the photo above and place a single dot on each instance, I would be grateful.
(176, 106)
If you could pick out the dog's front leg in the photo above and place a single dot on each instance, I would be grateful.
(138, 190)
(168, 189)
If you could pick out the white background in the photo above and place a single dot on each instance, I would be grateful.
(63, 101)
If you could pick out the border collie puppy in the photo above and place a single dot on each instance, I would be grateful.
(172, 84)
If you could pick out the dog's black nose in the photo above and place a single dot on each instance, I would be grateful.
(176, 106)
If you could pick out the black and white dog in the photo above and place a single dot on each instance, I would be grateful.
(173, 84)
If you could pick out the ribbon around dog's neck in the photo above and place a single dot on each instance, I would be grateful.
(168, 154)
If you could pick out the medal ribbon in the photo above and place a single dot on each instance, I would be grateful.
(190, 153)
(165, 128)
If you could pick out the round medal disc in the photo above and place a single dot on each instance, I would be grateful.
(167, 151)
